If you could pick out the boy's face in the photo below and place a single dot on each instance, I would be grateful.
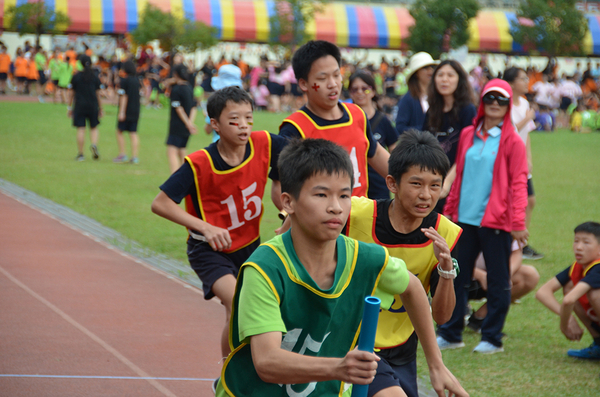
(235, 123)
(417, 192)
(324, 83)
(586, 248)
(322, 207)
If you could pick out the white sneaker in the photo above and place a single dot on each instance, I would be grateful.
(443, 344)
(487, 348)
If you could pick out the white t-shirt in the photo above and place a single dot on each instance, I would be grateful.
(544, 94)
(517, 114)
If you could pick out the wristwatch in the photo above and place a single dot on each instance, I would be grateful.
(449, 274)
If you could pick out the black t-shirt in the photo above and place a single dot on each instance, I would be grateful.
(289, 131)
(182, 183)
(449, 133)
(592, 277)
(385, 133)
(130, 86)
(181, 96)
(84, 90)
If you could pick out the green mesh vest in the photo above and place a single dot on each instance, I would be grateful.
(320, 324)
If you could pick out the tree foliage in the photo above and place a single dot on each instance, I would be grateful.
(172, 32)
(36, 18)
(554, 27)
(288, 25)
(440, 25)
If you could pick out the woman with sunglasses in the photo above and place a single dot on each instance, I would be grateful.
(362, 92)
(488, 201)
(451, 109)
(413, 105)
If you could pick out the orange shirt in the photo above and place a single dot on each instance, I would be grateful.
(32, 70)
(4, 63)
(72, 56)
(20, 67)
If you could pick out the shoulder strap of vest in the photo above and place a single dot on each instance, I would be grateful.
(595, 263)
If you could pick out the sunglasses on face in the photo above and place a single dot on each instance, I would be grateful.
(488, 99)
(366, 90)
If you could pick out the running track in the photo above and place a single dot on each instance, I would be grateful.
(78, 317)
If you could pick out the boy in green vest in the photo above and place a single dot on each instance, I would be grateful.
(298, 305)
(409, 228)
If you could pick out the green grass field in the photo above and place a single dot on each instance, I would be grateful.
(37, 152)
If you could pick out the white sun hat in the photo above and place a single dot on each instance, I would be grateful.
(418, 61)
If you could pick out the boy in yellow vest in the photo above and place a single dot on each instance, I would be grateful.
(581, 286)
(317, 67)
(409, 228)
(223, 187)
(297, 311)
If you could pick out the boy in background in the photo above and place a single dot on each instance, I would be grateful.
(316, 65)
(297, 310)
(223, 186)
(581, 288)
(129, 113)
(4, 68)
(409, 228)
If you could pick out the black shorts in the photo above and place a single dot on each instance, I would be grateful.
(565, 102)
(129, 126)
(32, 81)
(211, 265)
(80, 117)
(476, 292)
(42, 78)
(3, 76)
(21, 79)
(55, 82)
(530, 191)
(275, 89)
(295, 90)
(178, 141)
(404, 376)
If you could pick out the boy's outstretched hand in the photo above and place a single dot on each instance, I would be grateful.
(357, 367)
(442, 380)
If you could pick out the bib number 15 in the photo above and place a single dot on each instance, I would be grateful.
(249, 213)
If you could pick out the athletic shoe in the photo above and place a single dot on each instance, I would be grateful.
(134, 160)
(531, 254)
(41, 99)
(589, 353)
(95, 153)
(214, 385)
(474, 323)
(79, 157)
(487, 348)
(122, 158)
(443, 344)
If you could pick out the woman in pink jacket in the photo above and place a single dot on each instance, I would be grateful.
(488, 200)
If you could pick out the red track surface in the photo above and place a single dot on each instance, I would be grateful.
(73, 307)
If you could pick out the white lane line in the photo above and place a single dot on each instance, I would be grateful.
(140, 372)
(101, 377)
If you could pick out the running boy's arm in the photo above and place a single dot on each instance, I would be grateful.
(417, 306)
(275, 365)
(217, 237)
(566, 310)
(444, 299)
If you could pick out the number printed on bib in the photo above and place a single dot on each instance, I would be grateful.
(355, 167)
(249, 213)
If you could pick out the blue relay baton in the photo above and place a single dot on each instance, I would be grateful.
(366, 340)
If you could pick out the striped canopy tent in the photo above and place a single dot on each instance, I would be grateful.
(346, 24)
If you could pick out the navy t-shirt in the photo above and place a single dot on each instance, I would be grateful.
(182, 183)
(130, 86)
(449, 133)
(290, 131)
(592, 277)
(386, 135)
(181, 95)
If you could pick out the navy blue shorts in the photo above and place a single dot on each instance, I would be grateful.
(129, 126)
(530, 191)
(3, 76)
(21, 79)
(276, 88)
(211, 265)
(295, 90)
(80, 117)
(178, 141)
(404, 376)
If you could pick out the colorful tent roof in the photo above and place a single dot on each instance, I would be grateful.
(347, 25)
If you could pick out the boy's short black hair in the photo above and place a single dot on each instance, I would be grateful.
(418, 148)
(302, 159)
(181, 70)
(307, 54)
(589, 227)
(218, 100)
(129, 68)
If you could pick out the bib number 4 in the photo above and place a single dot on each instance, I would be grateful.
(251, 204)
(357, 173)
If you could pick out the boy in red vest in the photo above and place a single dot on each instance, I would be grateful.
(223, 186)
(317, 67)
(581, 287)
